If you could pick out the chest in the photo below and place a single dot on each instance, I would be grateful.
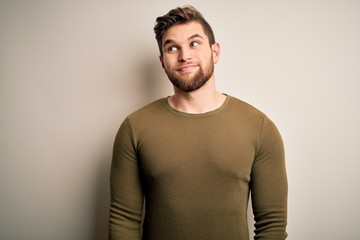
(198, 149)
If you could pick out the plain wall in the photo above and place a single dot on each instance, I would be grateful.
(70, 71)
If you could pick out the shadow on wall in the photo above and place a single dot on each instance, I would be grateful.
(102, 200)
(151, 83)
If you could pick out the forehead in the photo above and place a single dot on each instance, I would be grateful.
(182, 32)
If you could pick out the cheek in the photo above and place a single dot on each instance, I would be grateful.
(206, 58)
(168, 63)
(165, 64)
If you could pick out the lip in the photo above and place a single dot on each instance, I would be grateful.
(187, 68)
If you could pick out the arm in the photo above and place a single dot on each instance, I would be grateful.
(269, 185)
(125, 187)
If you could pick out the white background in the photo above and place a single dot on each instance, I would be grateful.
(70, 71)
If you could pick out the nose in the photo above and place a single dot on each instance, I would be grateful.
(184, 55)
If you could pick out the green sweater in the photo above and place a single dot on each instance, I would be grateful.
(194, 172)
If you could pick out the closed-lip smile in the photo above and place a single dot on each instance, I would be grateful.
(187, 68)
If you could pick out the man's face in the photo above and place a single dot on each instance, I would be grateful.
(187, 58)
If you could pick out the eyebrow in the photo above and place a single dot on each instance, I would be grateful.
(168, 41)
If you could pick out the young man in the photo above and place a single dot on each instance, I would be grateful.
(193, 158)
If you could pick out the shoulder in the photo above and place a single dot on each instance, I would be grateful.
(143, 117)
(252, 116)
(149, 109)
(149, 114)
(256, 120)
(240, 107)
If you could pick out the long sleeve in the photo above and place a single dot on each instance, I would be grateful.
(126, 200)
(269, 187)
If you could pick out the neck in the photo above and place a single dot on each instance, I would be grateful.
(203, 100)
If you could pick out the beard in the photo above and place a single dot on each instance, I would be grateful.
(188, 83)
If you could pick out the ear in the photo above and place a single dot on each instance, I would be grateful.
(215, 48)
(161, 60)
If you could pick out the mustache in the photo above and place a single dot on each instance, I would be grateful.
(187, 64)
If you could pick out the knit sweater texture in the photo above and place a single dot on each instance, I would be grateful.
(190, 175)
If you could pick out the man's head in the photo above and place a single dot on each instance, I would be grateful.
(181, 15)
(187, 46)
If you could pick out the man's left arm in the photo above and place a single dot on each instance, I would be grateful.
(269, 187)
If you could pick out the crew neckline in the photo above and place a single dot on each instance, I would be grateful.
(196, 115)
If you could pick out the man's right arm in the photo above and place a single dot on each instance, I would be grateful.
(126, 200)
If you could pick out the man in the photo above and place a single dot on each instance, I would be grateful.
(193, 158)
